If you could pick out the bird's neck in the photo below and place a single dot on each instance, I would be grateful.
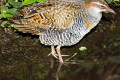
(94, 16)
(93, 12)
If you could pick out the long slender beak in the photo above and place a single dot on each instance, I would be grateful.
(110, 10)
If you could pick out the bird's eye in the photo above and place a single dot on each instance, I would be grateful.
(102, 6)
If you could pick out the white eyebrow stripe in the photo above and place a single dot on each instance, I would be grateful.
(97, 3)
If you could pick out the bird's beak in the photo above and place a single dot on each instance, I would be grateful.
(110, 10)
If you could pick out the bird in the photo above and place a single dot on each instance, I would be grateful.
(60, 22)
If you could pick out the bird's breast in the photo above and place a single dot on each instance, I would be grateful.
(69, 37)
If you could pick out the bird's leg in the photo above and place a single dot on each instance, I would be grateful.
(59, 54)
(53, 52)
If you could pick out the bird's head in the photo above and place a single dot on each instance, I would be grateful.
(98, 6)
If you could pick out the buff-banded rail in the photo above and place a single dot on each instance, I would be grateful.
(60, 22)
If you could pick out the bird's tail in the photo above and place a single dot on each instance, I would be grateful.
(11, 20)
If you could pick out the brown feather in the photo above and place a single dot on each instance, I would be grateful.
(47, 15)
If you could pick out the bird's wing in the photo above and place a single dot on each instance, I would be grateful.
(40, 17)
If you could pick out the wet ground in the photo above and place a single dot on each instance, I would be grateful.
(22, 57)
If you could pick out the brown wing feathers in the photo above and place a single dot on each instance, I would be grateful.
(38, 18)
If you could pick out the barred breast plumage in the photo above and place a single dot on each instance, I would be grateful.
(60, 22)
(70, 36)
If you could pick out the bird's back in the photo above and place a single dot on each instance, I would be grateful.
(58, 22)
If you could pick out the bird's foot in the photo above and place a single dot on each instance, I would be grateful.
(54, 55)
(61, 60)
(64, 55)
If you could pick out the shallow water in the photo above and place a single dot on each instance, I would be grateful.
(22, 57)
